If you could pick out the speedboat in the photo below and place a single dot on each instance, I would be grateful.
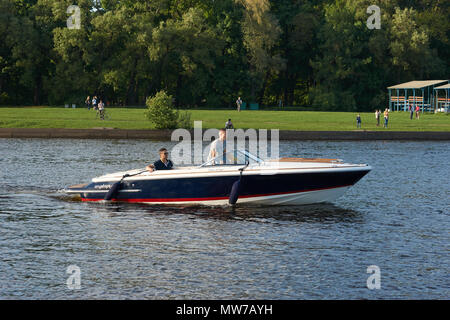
(236, 176)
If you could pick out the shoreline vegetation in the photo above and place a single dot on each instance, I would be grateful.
(333, 55)
(134, 119)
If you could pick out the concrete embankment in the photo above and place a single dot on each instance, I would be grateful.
(106, 133)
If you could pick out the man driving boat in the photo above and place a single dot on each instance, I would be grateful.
(163, 163)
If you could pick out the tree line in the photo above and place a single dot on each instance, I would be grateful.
(205, 53)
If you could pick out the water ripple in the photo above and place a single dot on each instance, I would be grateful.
(397, 218)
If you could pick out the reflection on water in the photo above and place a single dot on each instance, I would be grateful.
(396, 217)
(324, 212)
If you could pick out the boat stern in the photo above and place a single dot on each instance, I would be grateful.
(76, 189)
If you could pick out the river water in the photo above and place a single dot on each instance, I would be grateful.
(395, 218)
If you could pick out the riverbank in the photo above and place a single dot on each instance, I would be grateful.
(165, 135)
(134, 119)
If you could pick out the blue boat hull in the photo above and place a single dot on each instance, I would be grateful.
(216, 189)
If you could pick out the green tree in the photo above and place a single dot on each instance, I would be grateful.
(26, 42)
(160, 111)
(261, 33)
(299, 21)
(410, 47)
(185, 51)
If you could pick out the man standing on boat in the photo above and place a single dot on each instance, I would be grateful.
(163, 163)
(217, 147)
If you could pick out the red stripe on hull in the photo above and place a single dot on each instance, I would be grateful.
(213, 198)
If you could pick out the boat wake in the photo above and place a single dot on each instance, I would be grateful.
(11, 191)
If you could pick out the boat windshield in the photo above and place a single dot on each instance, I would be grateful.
(234, 157)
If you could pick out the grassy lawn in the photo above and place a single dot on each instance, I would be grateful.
(80, 118)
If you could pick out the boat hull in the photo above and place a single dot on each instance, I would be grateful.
(297, 198)
(268, 189)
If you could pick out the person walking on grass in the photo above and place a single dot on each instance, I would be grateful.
(417, 112)
(101, 110)
(386, 117)
(377, 117)
(94, 103)
(87, 102)
(358, 121)
(239, 103)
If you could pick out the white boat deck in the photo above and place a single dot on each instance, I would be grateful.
(265, 168)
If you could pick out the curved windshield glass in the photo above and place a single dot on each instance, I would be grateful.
(234, 157)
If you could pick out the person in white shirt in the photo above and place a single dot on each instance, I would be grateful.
(217, 147)
(101, 109)
(239, 103)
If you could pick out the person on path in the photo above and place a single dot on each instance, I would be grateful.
(94, 103)
(239, 104)
(386, 118)
(377, 117)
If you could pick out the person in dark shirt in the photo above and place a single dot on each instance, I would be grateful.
(229, 124)
(163, 163)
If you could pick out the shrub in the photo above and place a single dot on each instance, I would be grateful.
(161, 112)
